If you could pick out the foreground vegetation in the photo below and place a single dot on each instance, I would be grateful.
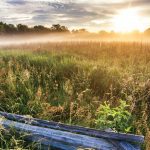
(95, 84)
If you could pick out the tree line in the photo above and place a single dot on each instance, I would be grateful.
(21, 28)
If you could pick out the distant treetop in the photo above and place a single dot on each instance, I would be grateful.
(55, 28)
(21, 28)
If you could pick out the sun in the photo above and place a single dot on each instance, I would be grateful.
(127, 21)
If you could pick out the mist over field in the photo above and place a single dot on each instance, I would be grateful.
(27, 39)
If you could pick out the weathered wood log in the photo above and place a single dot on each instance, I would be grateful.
(75, 129)
(67, 137)
(52, 137)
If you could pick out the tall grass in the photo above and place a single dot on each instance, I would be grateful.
(68, 82)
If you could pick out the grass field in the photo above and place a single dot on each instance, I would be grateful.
(95, 84)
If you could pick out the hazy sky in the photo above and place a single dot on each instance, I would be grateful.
(91, 14)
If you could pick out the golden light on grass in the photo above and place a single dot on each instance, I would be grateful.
(127, 21)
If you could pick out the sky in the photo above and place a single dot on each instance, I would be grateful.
(94, 15)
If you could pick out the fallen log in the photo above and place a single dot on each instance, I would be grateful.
(66, 137)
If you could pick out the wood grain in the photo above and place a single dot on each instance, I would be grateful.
(75, 129)
(57, 138)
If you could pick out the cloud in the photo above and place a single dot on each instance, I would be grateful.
(95, 14)
(16, 2)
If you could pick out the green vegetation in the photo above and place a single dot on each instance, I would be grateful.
(13, 140)
(117, 118)
(11, 29)
(80, 83)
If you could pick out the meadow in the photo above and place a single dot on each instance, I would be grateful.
(95, 84)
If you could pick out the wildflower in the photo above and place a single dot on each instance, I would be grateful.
(26, 75)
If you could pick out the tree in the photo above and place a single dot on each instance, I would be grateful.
(64, 29)
(80, 31)
(10, 28)
(7, 28)
(22, 28)
(40, 28)
(59, 28)
(2, 29)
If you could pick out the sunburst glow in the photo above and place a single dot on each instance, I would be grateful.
(127, 21)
